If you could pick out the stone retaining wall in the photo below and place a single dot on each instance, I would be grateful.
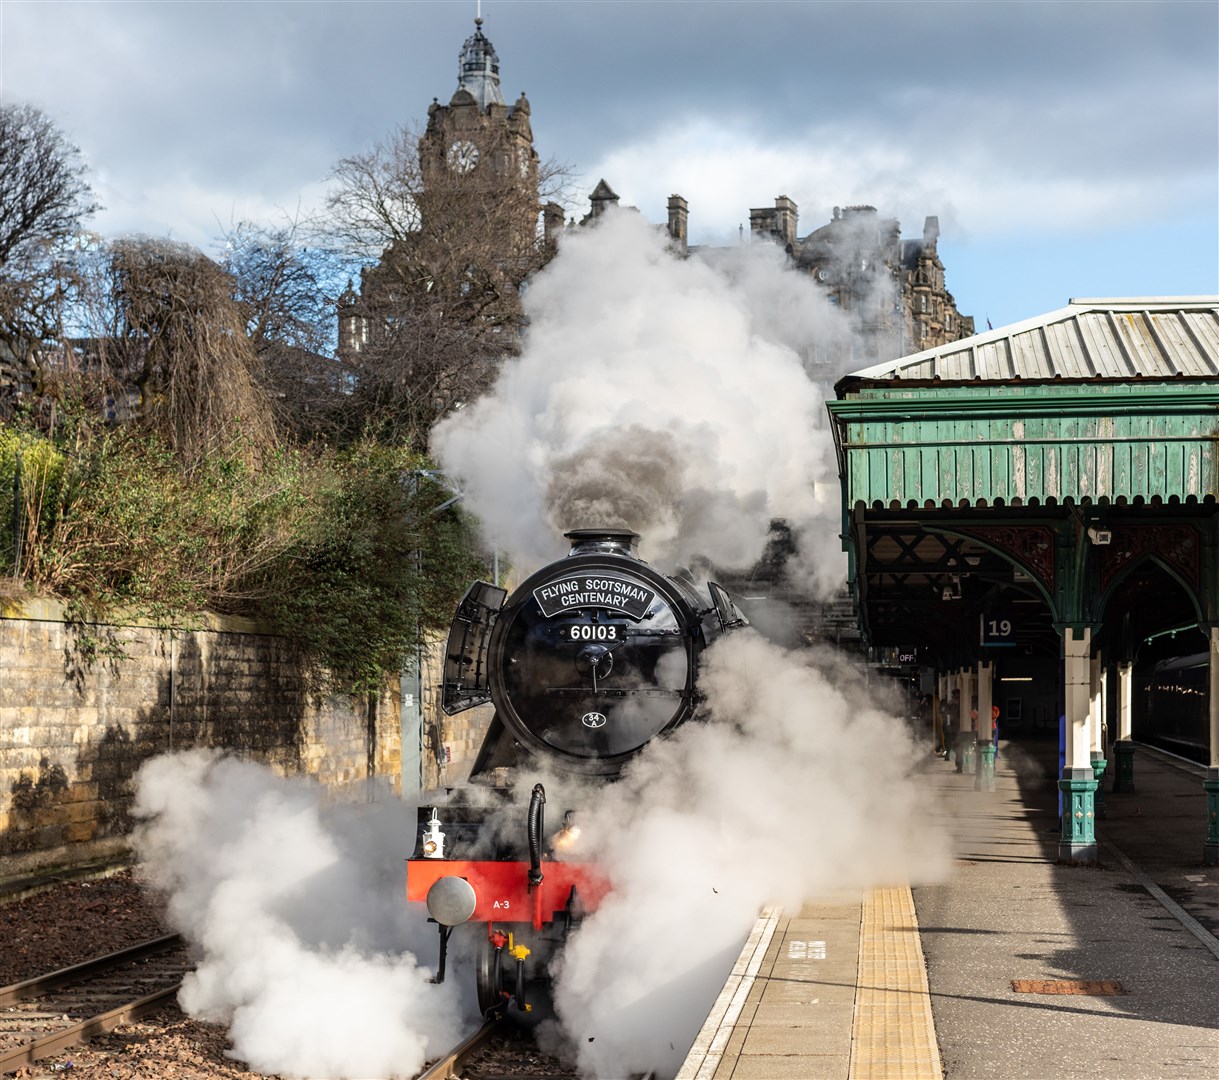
(74, 730)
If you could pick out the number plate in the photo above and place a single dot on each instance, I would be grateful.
(594, 632)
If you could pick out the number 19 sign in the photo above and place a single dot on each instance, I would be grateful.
(998, 630)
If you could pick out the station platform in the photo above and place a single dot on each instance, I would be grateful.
(1015, 968)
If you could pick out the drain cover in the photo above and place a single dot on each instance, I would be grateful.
(1092, 987)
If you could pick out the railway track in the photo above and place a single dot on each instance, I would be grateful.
(47, 1014)
(454, 1062)
(500, 1050)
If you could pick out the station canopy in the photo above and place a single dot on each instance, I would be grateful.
(1065, 466)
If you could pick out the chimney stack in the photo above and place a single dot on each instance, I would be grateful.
(679, 219)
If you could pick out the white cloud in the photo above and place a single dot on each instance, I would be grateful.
(976, 188)
(191, 211)
(1076, 128)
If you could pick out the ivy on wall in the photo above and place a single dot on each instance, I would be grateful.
(339, 549)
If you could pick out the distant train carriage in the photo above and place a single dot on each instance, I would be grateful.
(1171, 705)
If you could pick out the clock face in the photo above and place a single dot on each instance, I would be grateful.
(463, 156)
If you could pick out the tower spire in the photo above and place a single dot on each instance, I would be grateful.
(478, 71)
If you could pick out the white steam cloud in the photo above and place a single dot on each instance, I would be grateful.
(802, 782)
(675, 397)
(799, 783)
(669, 396)
(672, 397)
(297, 911)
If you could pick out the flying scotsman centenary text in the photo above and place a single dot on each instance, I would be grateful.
(604, 592)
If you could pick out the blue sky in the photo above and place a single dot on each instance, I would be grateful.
(1068, 149)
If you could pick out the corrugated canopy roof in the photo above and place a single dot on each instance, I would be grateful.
(1122, 339)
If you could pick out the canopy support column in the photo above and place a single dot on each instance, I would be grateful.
(938, 703)
(1210, 851)
(1077, 843)
(965, 736)
(984, 777)
(1123, 749)
(1096, 719)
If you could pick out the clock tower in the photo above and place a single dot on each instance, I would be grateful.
(472, 239)
(479, 149)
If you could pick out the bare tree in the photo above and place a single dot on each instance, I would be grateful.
(287, 288)
(447, 251)
(374, 198)
(177, 336)
(44, 197)
(468, 237)
(419, 367)
(465, 238)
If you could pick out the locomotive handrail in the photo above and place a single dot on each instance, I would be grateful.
(537, 810)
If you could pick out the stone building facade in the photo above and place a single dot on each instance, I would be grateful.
(76, 726)
(892, 290)
(478, 135)
(479, 170)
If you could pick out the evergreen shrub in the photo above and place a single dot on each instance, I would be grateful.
(343, 551)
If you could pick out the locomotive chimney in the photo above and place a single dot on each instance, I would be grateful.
(603, 542)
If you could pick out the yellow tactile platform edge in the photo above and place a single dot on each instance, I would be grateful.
(893, 1033)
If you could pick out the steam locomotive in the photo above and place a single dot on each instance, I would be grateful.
(586, 662)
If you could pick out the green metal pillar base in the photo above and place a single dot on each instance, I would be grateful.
(1210, 851)
(1077, 844)
(1123, 767)
(984, 776)
(1099, 765)
(967, 751)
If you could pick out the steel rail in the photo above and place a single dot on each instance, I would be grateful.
(453, 1063)
(450, 1065)
(83, 1031)
(40, 983)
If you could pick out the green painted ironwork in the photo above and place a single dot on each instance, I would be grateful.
(967, 751)
(984, 778)
(928, 445)
(1077, 844)
(1123, 774)
(1099, 764)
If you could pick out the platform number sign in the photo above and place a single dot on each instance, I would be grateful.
(998, 629)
